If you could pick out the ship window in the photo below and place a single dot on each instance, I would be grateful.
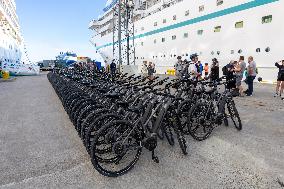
(156, 24)
(218, 52)
(212, 52)
(267, 49)
(175, 17)
(155, 41)
(174, 37)
(240, 51)
(220, 2)
(239, 24)
(186, 13)
(164, 21)
(257, 50)
(200, 32)
(142, 43)
(185, 35)
(201, 8)
(232, 51)
(163, 39)
(217, 29)
(266, 19)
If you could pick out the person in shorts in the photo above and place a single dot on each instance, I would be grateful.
(239, 69)
(280, 80)
(178, 67)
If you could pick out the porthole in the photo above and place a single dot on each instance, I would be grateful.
(212, 53)
(267, 49)
(257, 50)
(240, 51)
(232, 52)
(218, 52)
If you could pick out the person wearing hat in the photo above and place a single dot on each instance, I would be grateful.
(178, 67)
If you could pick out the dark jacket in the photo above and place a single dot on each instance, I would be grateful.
(214, 73)
(281, 71)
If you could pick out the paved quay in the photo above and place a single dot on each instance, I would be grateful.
(39, 147)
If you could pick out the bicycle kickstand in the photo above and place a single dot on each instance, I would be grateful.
(155, 158)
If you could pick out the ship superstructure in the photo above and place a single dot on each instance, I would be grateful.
(12, 48)
(222, 29)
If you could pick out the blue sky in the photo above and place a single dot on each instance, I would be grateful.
(52, 26)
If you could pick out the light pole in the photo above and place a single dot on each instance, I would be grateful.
(119, 35)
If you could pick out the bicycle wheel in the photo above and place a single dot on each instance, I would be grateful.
(234, 114)
(96, 124)
(115, 149)
(183, 111)
(200, 121)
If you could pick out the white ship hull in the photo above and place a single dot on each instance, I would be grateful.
(261, 40)
(11, 42)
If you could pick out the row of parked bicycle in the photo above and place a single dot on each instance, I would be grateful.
(119, 116)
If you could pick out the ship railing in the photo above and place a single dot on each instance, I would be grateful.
(164, 5)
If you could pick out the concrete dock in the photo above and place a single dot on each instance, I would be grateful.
(39, 147)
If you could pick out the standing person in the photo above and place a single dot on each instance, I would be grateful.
(151, 71)
(144, 69)
(280, 80)
(251, 69)
(199, 67)
(206, 70)
(185, 68)
(194, 68)
(178, 67)
(214, 73)
(228, 71)
(113, 68)
(106, 67)
(240, 68)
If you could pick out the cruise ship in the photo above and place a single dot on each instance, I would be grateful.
(222, 29)
(13, 55)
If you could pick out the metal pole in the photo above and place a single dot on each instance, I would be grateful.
(119, 35)
(127, 32)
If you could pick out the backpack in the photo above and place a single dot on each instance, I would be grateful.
(225, 70)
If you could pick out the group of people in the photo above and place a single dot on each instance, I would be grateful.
(194, 69)
(111, 68)
(148, 70)
(235, 72)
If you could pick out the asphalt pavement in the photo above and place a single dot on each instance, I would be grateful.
(39, 147)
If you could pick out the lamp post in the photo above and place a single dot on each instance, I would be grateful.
(119, 35)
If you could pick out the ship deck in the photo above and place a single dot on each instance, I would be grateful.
(39, 147)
